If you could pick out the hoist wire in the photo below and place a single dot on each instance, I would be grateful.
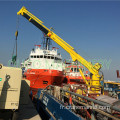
(17, 22)
(13, 48)
(15, 44)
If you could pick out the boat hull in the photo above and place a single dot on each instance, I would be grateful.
(41, 78)
(75, 79)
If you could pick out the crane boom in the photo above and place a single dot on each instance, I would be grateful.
(94, 69)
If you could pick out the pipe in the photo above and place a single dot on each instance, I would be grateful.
(90, 99)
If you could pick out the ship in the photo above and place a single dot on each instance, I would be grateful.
(72, 73)
(44, 66)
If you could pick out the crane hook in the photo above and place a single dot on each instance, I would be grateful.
(16, 34)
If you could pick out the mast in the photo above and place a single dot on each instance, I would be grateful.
(46, 43)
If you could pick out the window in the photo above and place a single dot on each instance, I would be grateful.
(72, 69)
(45, 56)
(82, 69)
(57, 58)
(31, 56)
(38, 56)
(35, 56)
(52, 57)
(75, 69)
(41, 56)
(48, 57)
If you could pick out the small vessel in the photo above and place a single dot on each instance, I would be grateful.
(73, 75)
(44, 66)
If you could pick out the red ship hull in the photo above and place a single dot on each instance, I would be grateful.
(76, 79)
(41, 78)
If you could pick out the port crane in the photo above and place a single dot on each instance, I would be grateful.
(94, 85)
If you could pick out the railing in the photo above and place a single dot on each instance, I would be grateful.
(84, 101)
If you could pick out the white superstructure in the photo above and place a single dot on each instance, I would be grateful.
(43, 59)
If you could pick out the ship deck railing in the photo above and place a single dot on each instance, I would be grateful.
(85, 101)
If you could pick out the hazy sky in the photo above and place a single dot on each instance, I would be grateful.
(92, 28)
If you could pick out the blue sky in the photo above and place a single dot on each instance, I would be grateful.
(92, 28)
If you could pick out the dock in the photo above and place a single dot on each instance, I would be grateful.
(25, 112)
(28, 112)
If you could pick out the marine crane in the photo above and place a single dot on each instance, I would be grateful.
(94, 85)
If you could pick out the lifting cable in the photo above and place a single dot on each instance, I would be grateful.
(14, 54)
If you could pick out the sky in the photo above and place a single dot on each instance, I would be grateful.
(91, 27)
